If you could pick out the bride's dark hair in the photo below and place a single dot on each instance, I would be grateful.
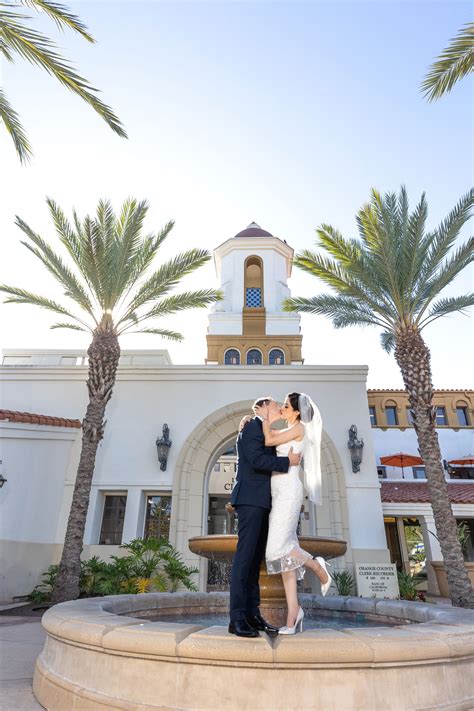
(294, 402)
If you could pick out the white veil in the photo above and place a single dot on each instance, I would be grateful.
(311, 418)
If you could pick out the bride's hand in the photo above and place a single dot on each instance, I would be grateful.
(273, 417)
(243, 422)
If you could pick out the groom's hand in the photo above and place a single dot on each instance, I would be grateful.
(294, 458)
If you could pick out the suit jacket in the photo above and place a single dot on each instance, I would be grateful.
(256, 462)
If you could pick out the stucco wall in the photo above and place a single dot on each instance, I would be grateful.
(186, 398)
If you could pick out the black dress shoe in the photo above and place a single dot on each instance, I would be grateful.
(242, 629)
(258, 623)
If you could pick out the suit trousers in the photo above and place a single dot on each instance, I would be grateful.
(244, 588)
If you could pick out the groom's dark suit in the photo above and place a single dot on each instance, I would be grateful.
(252, 499)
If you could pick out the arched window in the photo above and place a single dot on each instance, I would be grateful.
(276, 357)
(232, 357)
(254, 357)
(253, 278)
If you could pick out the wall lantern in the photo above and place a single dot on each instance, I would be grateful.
(355, 446)
(2, 478)
(163, 445)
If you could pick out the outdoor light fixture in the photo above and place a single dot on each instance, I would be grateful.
(2, 478)
(355, 446)
(163, 445)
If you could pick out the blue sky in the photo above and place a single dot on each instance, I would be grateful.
(282, 113)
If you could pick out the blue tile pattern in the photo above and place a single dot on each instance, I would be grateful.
(253, 297)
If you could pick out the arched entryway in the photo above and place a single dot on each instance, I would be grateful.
(195, 461)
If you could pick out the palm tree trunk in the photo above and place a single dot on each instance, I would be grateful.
(413, 358)
(104, 354)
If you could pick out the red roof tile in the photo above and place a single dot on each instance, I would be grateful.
(30, 417)
(417, 492)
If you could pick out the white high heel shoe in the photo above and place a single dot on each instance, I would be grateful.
(324, 586)
(298, 623)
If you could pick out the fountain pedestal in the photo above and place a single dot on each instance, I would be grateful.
(272, 592)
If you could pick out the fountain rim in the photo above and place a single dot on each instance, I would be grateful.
(104, 622)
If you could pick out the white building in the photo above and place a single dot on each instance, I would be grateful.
(404, 492)
(254, 349)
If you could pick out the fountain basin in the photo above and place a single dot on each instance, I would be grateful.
(97, 655)
(223, 547)
(272, 592)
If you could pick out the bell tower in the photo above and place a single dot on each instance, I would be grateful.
(249, 327)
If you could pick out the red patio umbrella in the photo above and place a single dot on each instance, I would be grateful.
(467, 461)
(401, 460)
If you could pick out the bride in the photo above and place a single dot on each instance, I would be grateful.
(283, 553)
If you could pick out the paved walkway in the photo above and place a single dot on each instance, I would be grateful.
(21, 640)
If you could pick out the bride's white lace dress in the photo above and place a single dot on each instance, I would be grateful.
(283, 552)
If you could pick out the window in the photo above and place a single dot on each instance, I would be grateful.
(276, 357)
(158, 515)
(112, 520)
(419, 473)
(461, 412)
(254, 357)
(253, 297)
(217, 467)
(382, 471)
(410, 416)
(373, 416)
(391, 415)
(441, 418)
(232, 357)
(461, 472)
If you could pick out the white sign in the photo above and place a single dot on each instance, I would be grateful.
(377, 580)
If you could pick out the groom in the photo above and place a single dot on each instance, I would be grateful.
(251, 497)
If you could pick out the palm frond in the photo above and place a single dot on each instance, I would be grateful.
(166, 277)
(56, 267)
(454, 63)
(414, 246)
(388, 341)
(340, 279)
(341, 310)
(61, 15)
(357, 263)
(440, 241)
(39, 50)
(12, 123)
(449, 305)
(174, 304)
(380, 235)
(22, 296)
(453, 266)
(127, 243)
(170, 335)
(143, 258)
(72, 326)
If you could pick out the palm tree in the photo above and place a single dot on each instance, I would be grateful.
(392, 278)
(111, 294)
(17, 37)
(454, 63)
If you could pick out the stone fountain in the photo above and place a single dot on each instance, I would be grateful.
(273, 605)
(126, 652)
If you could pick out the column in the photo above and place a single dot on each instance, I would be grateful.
(432, 550)
(403, 544)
